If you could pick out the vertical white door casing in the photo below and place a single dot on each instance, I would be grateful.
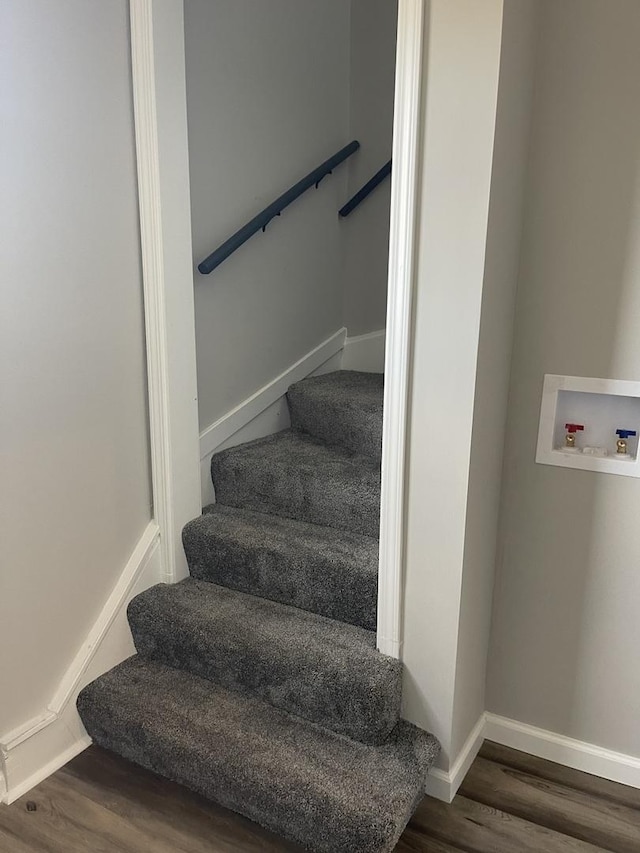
(406, 123)
(160, 112)
(157, 43)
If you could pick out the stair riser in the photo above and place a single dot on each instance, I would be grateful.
(303, 495)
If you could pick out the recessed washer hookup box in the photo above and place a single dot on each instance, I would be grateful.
(590, 424)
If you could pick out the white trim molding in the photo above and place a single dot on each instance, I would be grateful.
(605, 763)
(567, 751)
(159, 99)
(365, 352)
(444, 785)
(42, 745)
(404, 188)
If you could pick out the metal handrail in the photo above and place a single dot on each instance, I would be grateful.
(369, 187)
(275, 208)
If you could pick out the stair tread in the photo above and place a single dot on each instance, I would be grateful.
(321, 569)
(341, 408)
(310, 785)
(325, 671)
(298, 476)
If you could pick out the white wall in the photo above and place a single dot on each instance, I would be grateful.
(268, 93)
(73, 423)
(508, 181)
(462, 63)
(366, 231)
(565, 638)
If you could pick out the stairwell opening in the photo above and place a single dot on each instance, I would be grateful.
(273, 90)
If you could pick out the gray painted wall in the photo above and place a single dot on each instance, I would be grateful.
(268, 100)
(75, 494)
(366, 231)
(565, 637)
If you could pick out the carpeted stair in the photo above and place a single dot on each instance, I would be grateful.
(321, 569)
(257, 681)
(297, 661)
(343, 409)
(298, 476)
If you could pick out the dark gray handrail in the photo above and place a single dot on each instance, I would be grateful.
(274, 209)
(369, 187)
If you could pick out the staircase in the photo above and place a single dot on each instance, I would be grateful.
(257, 682)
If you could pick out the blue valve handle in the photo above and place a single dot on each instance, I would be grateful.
(626, 433)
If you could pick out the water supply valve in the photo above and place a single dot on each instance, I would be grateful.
(570, 437)
(621, 444)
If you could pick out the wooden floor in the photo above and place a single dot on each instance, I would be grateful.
(509, 803)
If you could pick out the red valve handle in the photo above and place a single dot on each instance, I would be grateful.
(573, 427)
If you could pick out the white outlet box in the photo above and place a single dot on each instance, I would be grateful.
(602, 406)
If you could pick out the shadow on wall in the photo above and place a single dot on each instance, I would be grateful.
(565, 628)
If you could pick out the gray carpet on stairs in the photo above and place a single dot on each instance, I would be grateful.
(325, 671)
(257, 682)
(343, 408)
(321, 569)
(298, 476)
(322, 790)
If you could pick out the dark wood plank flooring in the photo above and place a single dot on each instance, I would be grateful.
(510, 802)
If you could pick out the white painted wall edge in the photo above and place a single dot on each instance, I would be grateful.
(222, 429)
(404, 190)
(160, 120)
(362, 352)
(569, 752)
(42, 745)
(264, 412)
(444, 785)
(605, 763)
(365, 352)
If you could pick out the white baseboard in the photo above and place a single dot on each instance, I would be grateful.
(580, 755)
(605, 763)
(264, 412)
(444, 785)
(365, 352)
(42, 745)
